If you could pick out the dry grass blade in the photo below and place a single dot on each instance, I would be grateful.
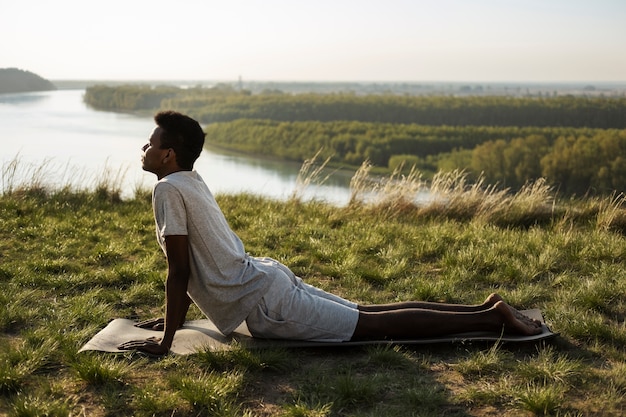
(393, 193)
(454, 197)
(532, 204)
(310, 173)
(20, 176)
(360, 184)
(398, 192)
(611, 214)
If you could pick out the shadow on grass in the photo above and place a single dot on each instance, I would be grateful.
(373, 380)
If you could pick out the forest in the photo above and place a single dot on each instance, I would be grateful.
(576, 143)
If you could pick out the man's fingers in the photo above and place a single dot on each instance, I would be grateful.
(150, 346)
(136, 344)
(152, 324)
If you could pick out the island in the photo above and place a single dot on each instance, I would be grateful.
(14, 80)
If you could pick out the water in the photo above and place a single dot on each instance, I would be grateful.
(54, 139)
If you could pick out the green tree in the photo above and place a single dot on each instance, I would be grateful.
(555, 165)
(522, 159)
(618, 174)
(488, 160)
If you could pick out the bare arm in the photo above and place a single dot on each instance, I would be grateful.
(176, 299)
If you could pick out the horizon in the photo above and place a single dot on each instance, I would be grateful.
(410, 41)
(346, 81)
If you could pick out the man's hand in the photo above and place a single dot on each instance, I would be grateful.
(157, 324)
(151, 346)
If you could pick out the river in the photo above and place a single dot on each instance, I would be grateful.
(54, 139)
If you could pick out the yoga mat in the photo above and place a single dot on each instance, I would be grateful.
(199, 335)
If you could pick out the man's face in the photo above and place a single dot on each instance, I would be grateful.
(153, 155)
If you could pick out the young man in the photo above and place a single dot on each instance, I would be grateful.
(207, 265)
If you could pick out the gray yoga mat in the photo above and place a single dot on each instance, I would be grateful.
(198, 335)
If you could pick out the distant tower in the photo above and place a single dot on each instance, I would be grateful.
(240, 84)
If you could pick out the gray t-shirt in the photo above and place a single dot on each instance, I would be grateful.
(225, 283)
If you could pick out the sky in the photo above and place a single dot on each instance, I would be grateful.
(321, 40)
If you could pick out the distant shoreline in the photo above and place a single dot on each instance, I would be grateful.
(468, 88)
(15, 80)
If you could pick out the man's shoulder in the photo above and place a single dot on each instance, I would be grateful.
(187, 184)
(182, 179)
(165, 186)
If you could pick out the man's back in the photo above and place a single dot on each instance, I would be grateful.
(225, 282)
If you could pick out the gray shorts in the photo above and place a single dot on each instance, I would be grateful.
(292, 309)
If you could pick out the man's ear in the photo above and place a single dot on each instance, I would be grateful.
(170, 154)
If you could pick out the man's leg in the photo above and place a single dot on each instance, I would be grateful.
(489, 302)
(419, 323)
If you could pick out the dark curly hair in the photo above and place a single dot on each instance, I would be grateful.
(183, 134)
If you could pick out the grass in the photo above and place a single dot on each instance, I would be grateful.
(71, 260)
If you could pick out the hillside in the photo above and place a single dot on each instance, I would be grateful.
(14, 80)
(73, 261)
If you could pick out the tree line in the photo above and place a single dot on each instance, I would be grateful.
(128, 98)
(223, 103)
(440, 110)
(576, 143)
(574, 159)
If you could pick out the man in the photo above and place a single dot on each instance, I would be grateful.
(207, 265)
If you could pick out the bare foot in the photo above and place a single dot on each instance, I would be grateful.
(491, 300)
(494, 298)
(516, 322)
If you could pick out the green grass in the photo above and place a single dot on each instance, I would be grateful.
(70, 261)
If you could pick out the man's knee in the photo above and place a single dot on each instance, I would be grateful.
(368, 326)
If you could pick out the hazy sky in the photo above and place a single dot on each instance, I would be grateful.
(321, 40)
